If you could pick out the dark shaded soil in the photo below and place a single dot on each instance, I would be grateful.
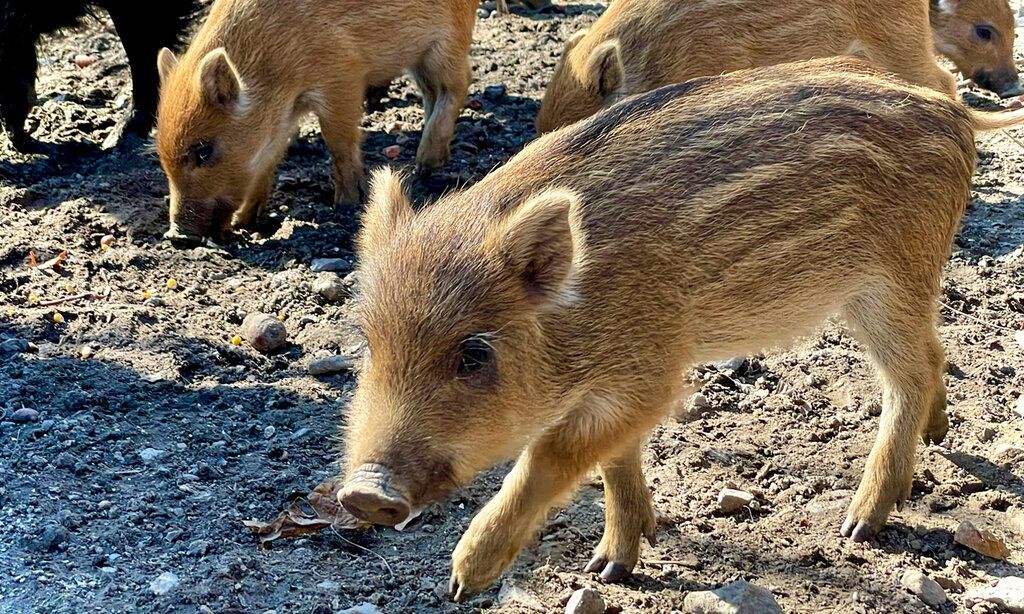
(147, 454)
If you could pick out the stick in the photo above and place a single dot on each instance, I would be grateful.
(978, 320)
(66, 299)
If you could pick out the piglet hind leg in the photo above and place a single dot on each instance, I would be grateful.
(628, 516)
(548, 469)
(443, 77)
(897, 327)
(339, 117)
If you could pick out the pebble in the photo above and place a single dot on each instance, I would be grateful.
(733, 364)
(104, 505)
(14, 346)
(165, 583)
(329, 586)
(268, 433)
(731, 500)
(1007, 595)
(24, 415)
(740, 597)
(330, 364)
(330, 286)
(107, 240)
(51, 537)
(926, 589)
(981, 541)
(330, 264)
(362, 608)
(392, 151)
(494, 92)
(148, 455)
(511, 595)
(264, 332)
(585, 601)
(84, 60)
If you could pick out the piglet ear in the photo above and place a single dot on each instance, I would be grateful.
(542, 244)
(387, 209)
(219, 81)
(166, 62)
(605, 67)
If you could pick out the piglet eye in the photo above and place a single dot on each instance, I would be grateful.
(201, 153)
(476, 354)
(984, 33)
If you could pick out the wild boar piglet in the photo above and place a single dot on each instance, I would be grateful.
(229, 106)
(640, 45)
(553, 309)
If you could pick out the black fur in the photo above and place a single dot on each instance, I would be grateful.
(144, 27)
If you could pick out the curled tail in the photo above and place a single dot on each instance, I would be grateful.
(984, 121)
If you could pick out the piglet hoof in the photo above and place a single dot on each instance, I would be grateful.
(938, 426)
(609, 571)
(857, 530)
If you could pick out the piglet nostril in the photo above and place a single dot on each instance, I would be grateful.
(373, 505)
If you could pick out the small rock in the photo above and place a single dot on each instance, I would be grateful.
(198, 547)
(494, 92)
(86, 352)
(107, 240)
(1007, 595)
(269, 432)
(392, 151)
(330, 364)
(165, 583)
(264, 332)
(987, 434)
(14, 346)
(104, 505)
(1020, 406)
(509, 594)
(24, 415)
(84, 60)
(949, 584)
(149, 455)
(981, 541)
(50, 539)
(733, 364)
(699, 402)
(330, 286)
(585, 601)
(330, 264)
(926, 589)
(362, 608)
(731, 500)
(329, 586)
(740, 597)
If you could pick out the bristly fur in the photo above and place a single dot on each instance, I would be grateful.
(717, 217)
(660, 43)
(276, 77)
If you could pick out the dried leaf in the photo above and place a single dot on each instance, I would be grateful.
(315, 512)
(53, 263)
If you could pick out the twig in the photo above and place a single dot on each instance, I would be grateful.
(977, 319)
(1012, 138)
(66, 299)
(364, 549)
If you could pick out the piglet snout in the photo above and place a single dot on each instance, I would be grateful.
(369, 496)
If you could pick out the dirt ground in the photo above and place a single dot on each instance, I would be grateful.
(156, 436)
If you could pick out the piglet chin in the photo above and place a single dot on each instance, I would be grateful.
(413, 515)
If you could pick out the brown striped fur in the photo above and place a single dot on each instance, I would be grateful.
(640, 45)
(696, 222)
(257, 66)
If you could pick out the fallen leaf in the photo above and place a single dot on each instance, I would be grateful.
(315, 512)
(52, 263)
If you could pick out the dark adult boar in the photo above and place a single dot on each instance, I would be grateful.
(144, 27)
(552, 309)
(640, 45)
(230, 105)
